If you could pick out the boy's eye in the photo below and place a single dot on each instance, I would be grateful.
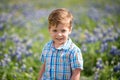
(63, 31)
(54, 30)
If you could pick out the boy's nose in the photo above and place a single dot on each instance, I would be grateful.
(59, 34)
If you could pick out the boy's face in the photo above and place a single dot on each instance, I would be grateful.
(59, 34)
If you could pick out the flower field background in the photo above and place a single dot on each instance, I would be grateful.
(23, 33)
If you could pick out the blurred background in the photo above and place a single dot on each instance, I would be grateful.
(23, 33)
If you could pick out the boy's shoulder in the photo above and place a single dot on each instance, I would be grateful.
(74, 47)
(48, 44)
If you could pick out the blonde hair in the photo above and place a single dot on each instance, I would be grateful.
(60, 16)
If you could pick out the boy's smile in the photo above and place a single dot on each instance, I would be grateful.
(59, 34)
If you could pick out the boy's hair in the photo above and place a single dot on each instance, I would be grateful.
(60, 16)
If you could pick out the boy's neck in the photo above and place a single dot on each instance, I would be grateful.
(59, 45)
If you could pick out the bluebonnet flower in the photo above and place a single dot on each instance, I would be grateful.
(19, 56)
(116, 68)
(99, 64)
(3, 18)
(94, 14)
(104, 47)
(1, 27)
(108, 9)
(114, 51)
(7, 59)
(96, 77)
(3, 37)
(29, 44)
(23, 67)
(28, 53)
(107, 39)
(10, 50)
(15, 38)
(75, 35)
(116, 37)
(30, 69)
(91, 39)
(3, 63)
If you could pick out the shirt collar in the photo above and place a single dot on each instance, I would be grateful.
(66, 45)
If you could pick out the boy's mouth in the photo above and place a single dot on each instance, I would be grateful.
(59, 39)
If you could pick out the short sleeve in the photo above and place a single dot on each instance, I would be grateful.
(43, 54)
(76, 59)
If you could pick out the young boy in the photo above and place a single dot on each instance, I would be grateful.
(61, 58)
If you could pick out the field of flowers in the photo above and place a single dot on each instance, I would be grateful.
(23, 33)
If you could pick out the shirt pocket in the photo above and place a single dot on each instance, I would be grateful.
(65, 58)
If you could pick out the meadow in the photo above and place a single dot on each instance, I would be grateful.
(23, 33)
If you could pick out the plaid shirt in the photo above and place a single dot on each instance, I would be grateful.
(61, 61)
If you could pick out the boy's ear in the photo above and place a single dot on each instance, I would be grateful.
(70, 30)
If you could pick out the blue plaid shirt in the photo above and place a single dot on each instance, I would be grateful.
(60, 62)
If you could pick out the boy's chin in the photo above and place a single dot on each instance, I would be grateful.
(62, 42)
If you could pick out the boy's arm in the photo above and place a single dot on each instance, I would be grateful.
(76, 74)
(41, 71)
